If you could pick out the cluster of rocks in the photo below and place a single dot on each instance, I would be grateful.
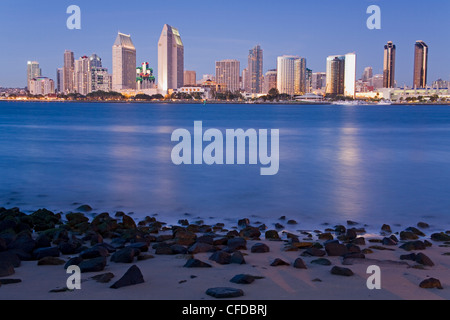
(45, 236)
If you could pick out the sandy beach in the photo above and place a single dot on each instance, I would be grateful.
(166, 251)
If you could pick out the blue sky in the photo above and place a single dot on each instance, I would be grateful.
(215, 30)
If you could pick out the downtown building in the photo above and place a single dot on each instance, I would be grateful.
(190, 78)
(42, 86)
(82, 72)
(170, 60)
(254, 72)
(341, 75)
(123, 63)
(389, 66)
(270, 80)
(291, 75)
(33, 71)
(420, 64)
(227, 75)
(68, 72)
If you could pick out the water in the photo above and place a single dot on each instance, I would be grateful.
(374, 165)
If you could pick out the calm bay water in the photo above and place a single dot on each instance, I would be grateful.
(371, 164)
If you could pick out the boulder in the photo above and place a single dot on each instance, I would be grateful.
(125, 255)
(93, 265)
(185, 238)
(224, 292)
(407, 235)
(313, 252)
(199, 247)
(128, 222)
(424, 260)
(386, 228)
(10, 257)
(321, 262)
(133, 276)
(340, 271)
(94, 252)
(272, 235)
(237, 257)
(6, 269)
(75, 261)
(104, 277)
(46, 252)
(195, 263)
(23, 242)
(336, 249)
(440, 237)
(415, 231)
(431, 283)
(237, 243)
(259, 248)
(250, 233)
(299, 264)
(413, 245)
(50, 261)
(84, 208)
(279, 262)
(244, 279)
(221, 257)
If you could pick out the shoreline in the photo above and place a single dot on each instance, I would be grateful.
(162, 252)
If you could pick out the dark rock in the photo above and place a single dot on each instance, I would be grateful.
(352, 248)
(9, 281)
(351, 234)
(360, 241)
(278, 262)
(250, 233)
(50, 261)
(423, 225)
(125, 255)
(386, 228)
(407, 235)
(440, 237)
(340, 229)
(413, 245)
(93, 265)
(104, 277)
(424, 260)
(351, 223)
(23, 242)
(206, 239)
(237, 243)
(141, 246)
(46, 252)
(325, 236)
(3, 245)
(128, 222)
(58, 290)
(104, 224)
(221, 257)
(291, 222)
(299, 264)
(335, 249)
(195, 263)
(431, 283)
(415, 231)
(411, 257)
(279, 226)
(75, 261)
(244, 279)
(222, 241)
(259, 248)
(199, 247)
(84, 208)
(43, 241)
(322, 262)
(313, 252)
(70, 247)
(340, 271)
(381, 248)
(10, 257)
(164, 250)
(178, 249)
(389, 242)
(223, 292)
(133, 276)
(244, 223)
(185, 238)
(6, 269)
(272, 235)
(44, 219)
(237, 257)
(143, 257)
(354, 255)
(94, 252)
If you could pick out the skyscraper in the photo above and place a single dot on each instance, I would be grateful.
(291, 75)
(341, 75)
(227, 75)
(270, 80)
(95, 61)
(420, 64)
(33, 71)
(170, 59)
(389, 66)
(124, 63)
(82, 76)
(68, 72)
(255, 70)
(60, 80)
(190, 78)
(368, 74)
(319, 80)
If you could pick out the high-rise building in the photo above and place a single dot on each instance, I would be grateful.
(420, 64)
(95, 61)
(341, 75)
(144, 77)
(377, 81)
(124, 63)
(319, 80)
(60, 80)
(100, 80)
(389, 66)
(270, 80)
(170, 59)
(245, 81)
(300, 76)
(368, 74)
(68, 72)
(255, 70)
(190, 78)
(42, 85)
(291, 75)
(227, 75)
(82, 76)
(308, 80)
(33, 71)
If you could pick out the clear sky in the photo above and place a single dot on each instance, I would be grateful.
(213, 30)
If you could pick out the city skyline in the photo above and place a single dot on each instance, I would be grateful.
(207, 42)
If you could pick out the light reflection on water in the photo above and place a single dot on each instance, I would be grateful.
(370, 164)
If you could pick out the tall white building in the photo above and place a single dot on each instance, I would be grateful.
(227, 75)
(341, 75)
(82, 75)
(124, 63)
(33, 71)
(42, 85)
(68, 72)
(170, 59)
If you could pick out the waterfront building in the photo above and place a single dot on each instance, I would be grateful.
(123, 63)
(227, 75)
(68, 72)
(420, 64)
(42, 86)
(33, 71)
(389, 65)
(255, 70)
(170, 59)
